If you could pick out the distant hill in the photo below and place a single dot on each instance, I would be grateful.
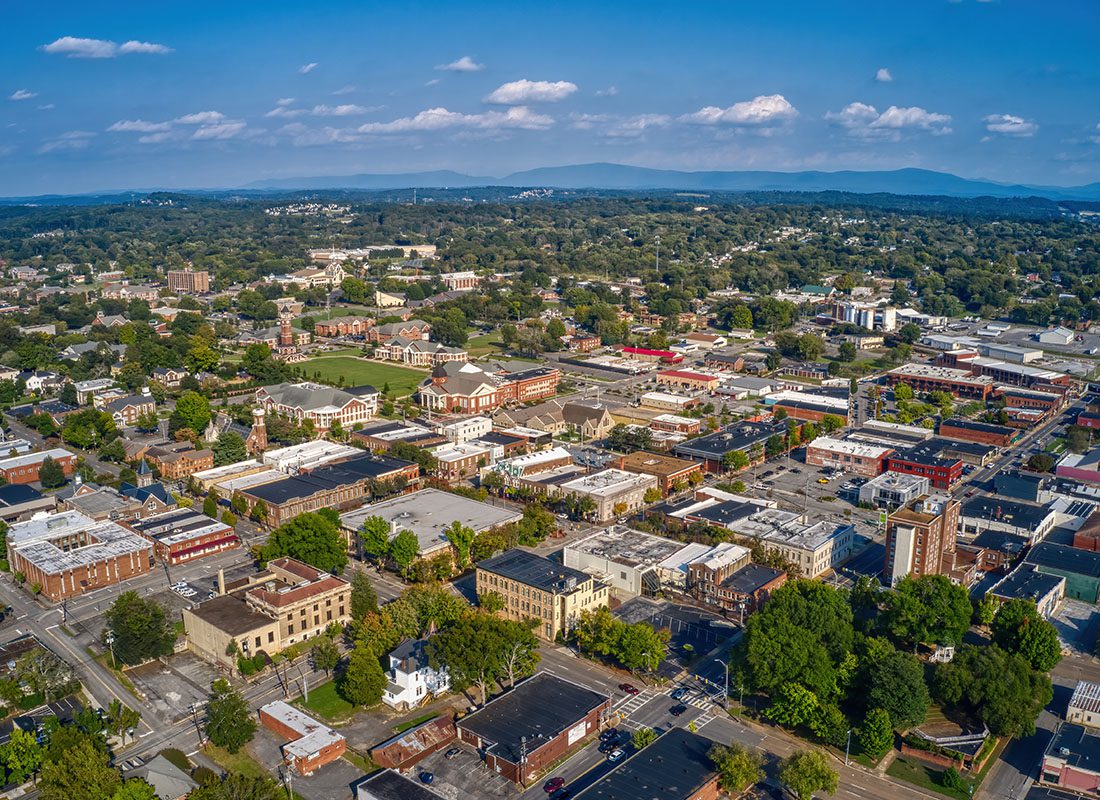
(624, 177)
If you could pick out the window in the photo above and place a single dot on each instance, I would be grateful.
(290, 628)
(270, 637)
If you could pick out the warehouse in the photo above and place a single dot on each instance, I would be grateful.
(526, 730)
(994, 513)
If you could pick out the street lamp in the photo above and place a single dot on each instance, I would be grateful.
(110, 639)
(848, 747)
(726, 693)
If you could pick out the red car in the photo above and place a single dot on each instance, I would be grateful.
(553, 785)
(628, 688)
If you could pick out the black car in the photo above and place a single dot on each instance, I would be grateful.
(609, 735)
(608, 746)
(677, 710)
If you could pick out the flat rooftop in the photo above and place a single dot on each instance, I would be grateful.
(608, 482)
(26, 459)
(70, 540)
(326, 478)
(226, 471)
(1026, 582)
(675, 767)
(627, 546)
(312, 735)
(654, 464)
(1082, 745)
(532, 570)
(428, 512)
(929, 371)
(536, 711)
(848, 447)
(896, 481)
(179, 525)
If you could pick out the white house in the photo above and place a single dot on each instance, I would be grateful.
(411, 679)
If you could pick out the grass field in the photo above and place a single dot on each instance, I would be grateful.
(325, 702)
(922, 775)
(486, 344)
(356, 371)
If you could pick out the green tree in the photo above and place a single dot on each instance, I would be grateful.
(51, 474)
(896, 684)
(374, 539)
(113, 451)
(643, 737)
(793, 705)
(461, 538)
(876, 735)
(986, 610)
(490, 602)
(1078, 438)
(1040, 462)
(652, 495)
(738, 768)
(210, 505)
(236, 786)
(313, 538)
(734, 460)
(903, 392)
(403, 549)
(847, 352)
(121, 720)
(325, 654)
(927, 609)
(192, 411)
(362, 680)
(364, 599)
(229, 449)
(82, 771)
(229, 721)
(641, 647)
(21, 756)
(806, 772)
(134, 789)
(140, 629)
(1019, 628)
(909, 332)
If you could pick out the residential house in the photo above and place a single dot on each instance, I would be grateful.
(411, 679)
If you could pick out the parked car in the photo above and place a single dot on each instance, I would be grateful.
(678, 694)
(611, 734)
(426, 777)
(454, 752)
(553, 784)
(615, 755)
(629, 688)
(608, 746)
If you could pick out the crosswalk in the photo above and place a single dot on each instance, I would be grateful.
(626, 706)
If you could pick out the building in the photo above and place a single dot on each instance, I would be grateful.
(380, 436)
(428, 513)
(185, 534)
(24, 468)
(672, 474)
(1080, 568)
(178, 460)
(980, 432)
(1022, 375)
(706, 573)
(748, 437)
(1084, 705)
(866, 315)
(893, 490)
(310, 744)
(687, 379)
(411, 681)
(1074, 466)
(342, 326)
(168, 377)
(672, 423)
(514, 470)
(1007, 352)
(625, 559)
(409, 329)
(96, 502)
(1072, 760)
(413, 745)
(747, 589)
(928, 378)
(816, 548)
(19, 501)
(321, 405)
(860, 459)
(534, 587)
(677, 766)
(651, 356)
(994, 513)
(188, 281)
(1028, 582)
(926, 460)
(68, 554)
(614, 491)
(418, 353)
(525, 731)
(808, 407)
(341, 486)
(458, 281)
(1060, 335)
(469, 389)
(920, 540)
(169, 782)
(667, 401)
(86, 390)
(268, 611)
(308, 456)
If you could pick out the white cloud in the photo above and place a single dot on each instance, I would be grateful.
(883, 75)
(305, 69)
(77, 47)
(45, 107)
(285, 112)
(346, 110)
(70, 140)
(586, 122)
(303, 136)
(464, 64)
(22, 94)
(134, 46)
(432, 82)
(864, 121)
(155, 138)
(521, 92)
(638, 125)
(610, 91)
(220, 130)
(344, 90)
(763, 110)
(1010, 125)
(200, 118)
(284, 101)
(435, 119)
(139, 126)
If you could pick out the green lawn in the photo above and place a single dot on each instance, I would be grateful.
(240, 761)
(412, 723)
(923, 775)
(325, 702)
(356, 371)
(1056, 445)
(486, 344)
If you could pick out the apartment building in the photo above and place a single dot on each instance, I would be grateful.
(534, 587)
(920, 540)
(189, 281)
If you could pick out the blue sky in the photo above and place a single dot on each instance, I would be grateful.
(121, 95)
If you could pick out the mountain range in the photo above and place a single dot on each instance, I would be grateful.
(625, 177)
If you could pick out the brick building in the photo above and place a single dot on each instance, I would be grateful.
(677, 766)
(189, 281)
(686, 379)
(184, 534)
(68, 554)
(928, 378)
(982, 432)
(670, 472)
(310, 744)
(747, 589)
(525, 731)
(921, 540)
(129, 409)
(342, 326)
(469, 389)
(674, 423)
(179, 460)
(646, 354)
(24, 468)
(925, 460)
(867, 460)
(322, 405)
(409, 329)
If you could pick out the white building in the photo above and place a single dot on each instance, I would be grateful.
(626, 559)
(1059, 335)
(411, 679)
(308, 455)
(614, 491)
(465, 430)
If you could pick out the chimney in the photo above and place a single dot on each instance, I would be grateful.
(221, 581)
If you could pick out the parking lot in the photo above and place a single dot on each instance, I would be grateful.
(1077, 623)
(463, 775)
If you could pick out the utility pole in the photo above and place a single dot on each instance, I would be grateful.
(726, 691)
(848, 747)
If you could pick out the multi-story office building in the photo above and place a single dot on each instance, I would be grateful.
(189, 281)
(920, 540)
